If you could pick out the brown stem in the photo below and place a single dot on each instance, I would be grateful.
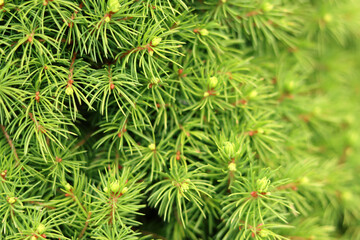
(41, 204)
(71, 70)
(113, 200)
(242, 102)
(39, 127)
(83, 141)
(344, 155)
(17, 160)
(156, 236)
(293, 186)
(86, 225)
(147, 46)
(74, 197)
(253, 13)
(177, 218)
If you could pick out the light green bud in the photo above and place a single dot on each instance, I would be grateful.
(156, 41)
(232, 167)
(184, 187)
(152, 146)
(11, 200)
(68, 187)
(263, 184)
(267, 7)
(304, 180)
(155, 80)
(107, 19)
(115, 186)
(317, 111)
(289, 86)
(125, 189)
(352, 138)
(114, 6)
(41, 228)
(253, 94)
(328, 17)
(229, 148)
(69, 90)
(213, 82)
(204, 32)
(264, 233)
(347, 195)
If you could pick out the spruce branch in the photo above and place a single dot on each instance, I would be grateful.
(10, 142)
(216, 119)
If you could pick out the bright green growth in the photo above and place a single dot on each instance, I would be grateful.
(41, 228)
(156, 41)
(114, 6)
(115, 186)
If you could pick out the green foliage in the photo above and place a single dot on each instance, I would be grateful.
(179, 119)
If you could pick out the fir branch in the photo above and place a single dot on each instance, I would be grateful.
(10, 142)
(86, 225)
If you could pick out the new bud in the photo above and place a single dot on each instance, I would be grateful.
(68, 187)
(232, 167)
(156, 41)
(69, 91)
(263, 184)
(114, 6)
(125, 189)
(41, 228)
(184, 186)
(290, 86)
(115, 186)
(107, 19)
(267, 7)
(328, 18)
(213, 82)
(152, 147)
(229, 148)
(11, 200)
(261, 131)
(347, 195)
(253, 94)
(155, 80)
(204, 32)
(304, 180)
(264, 233)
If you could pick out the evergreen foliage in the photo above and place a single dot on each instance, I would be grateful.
(179, 119)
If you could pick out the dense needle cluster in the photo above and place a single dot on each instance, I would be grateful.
(179, 119)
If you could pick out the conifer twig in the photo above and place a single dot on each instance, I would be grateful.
(86, 225)
(154, 235)
(17, 160)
